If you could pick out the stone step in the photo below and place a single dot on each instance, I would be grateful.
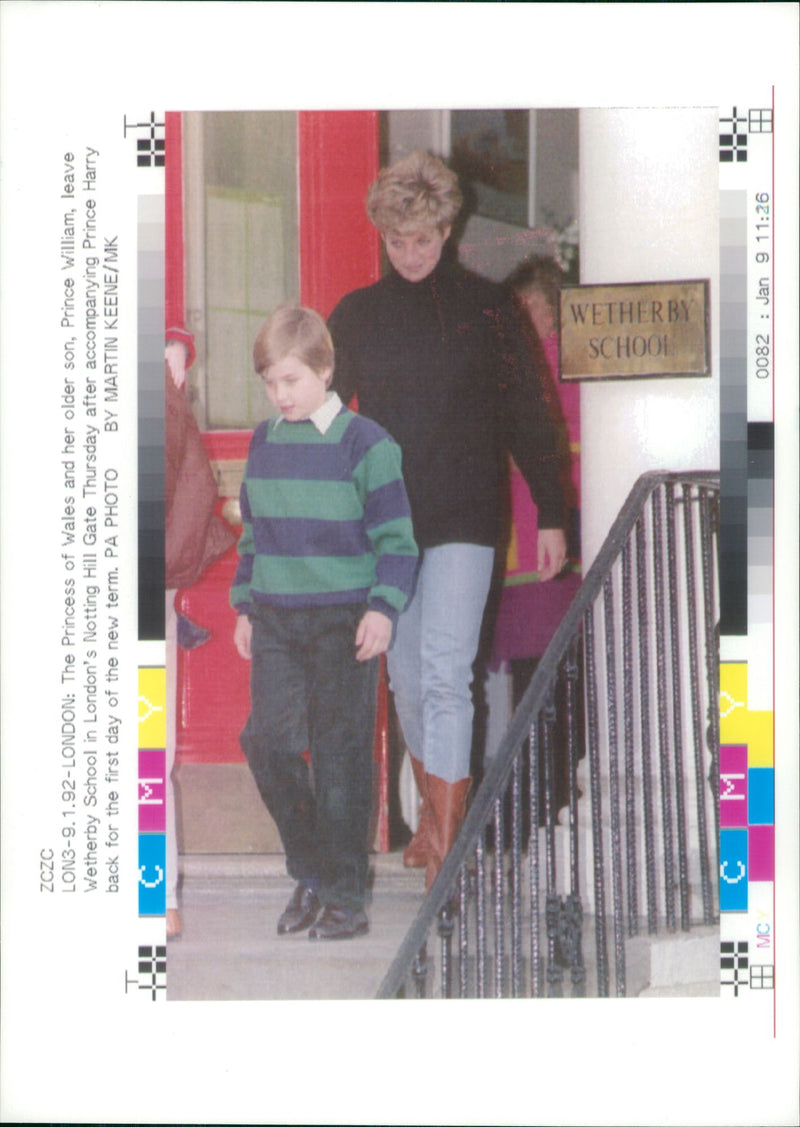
(229, 949)
(686, 963)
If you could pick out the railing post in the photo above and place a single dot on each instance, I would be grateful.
(663, 727)
(480, 911)
(516, 878)
(533, 857)
(627, 730)
(677, 708)
(642, 607)
(613, 772)
(446, 928)
(597, 823)
(498, 900)
(463, 932)
(419, 972)
(555, 972)
(574, 907)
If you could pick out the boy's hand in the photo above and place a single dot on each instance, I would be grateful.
(242, 636)
(552, 546)
(373, 635)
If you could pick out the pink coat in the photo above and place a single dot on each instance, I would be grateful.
(530, 611)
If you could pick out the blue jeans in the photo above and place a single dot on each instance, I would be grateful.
(308, 691)
(430, 662)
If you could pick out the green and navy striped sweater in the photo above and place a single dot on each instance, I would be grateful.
(326, 518)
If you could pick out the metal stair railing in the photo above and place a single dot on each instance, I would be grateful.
(630, 682)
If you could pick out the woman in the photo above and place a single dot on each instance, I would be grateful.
(438, 357)
(529, 612)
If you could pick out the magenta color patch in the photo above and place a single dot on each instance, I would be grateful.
(152, 791)
(761, 853)
(733, 785)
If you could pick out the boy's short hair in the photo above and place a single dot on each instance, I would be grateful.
(297, 331)
(538, 273)
(417, 191)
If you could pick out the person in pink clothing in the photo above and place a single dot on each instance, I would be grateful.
(529, 611)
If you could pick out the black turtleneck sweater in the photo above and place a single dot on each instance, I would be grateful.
(447, 368)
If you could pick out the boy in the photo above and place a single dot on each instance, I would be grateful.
(327, 562)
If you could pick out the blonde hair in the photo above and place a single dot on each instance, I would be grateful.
(417, 191)
(297, 331)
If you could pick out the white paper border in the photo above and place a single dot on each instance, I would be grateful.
(663, 1061)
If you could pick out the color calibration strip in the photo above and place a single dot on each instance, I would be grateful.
(733, 412)
(747, 752)
(150, 262)
(152, 800)
(152, 770)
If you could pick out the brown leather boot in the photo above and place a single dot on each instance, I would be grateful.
(448, 803)
(416, 853)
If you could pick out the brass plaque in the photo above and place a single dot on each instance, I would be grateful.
(634, 330)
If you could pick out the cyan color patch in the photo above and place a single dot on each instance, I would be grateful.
(761, 795)
(152, 874)
(733, 874)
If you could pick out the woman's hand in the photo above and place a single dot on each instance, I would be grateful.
(373, 635)
(242, 637)
(552, 551)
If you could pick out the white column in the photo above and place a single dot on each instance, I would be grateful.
(649, 211)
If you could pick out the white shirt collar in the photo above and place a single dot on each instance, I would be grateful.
(323, 417)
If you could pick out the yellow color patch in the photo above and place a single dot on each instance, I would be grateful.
(737, 725)
(152, 707)
(761, 740)
(733, 722)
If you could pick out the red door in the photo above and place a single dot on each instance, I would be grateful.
(339, 251)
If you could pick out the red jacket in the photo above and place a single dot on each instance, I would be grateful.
(195, 536)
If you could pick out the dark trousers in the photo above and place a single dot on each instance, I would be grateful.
(309, 692)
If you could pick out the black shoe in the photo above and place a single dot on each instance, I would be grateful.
(300, 912)
(339, 923)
